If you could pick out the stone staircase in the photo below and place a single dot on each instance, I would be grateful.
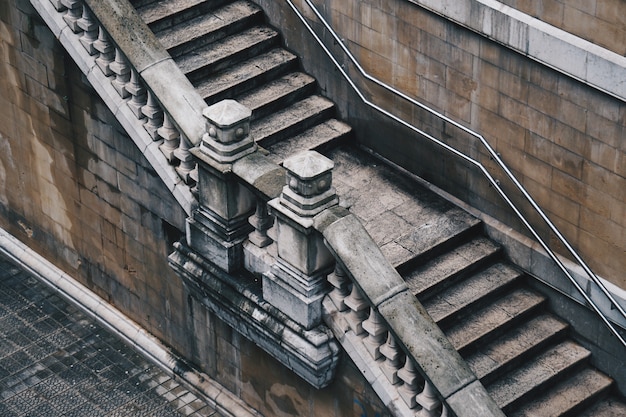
(227, 51)
(519, 350)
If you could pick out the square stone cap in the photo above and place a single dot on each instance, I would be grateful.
(308, 165)
(227, 113)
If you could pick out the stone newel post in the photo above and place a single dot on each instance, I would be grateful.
(219, 226)
(296, 283)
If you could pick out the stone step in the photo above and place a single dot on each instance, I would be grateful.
(568, 397)
(446, 269)
(493, 320)
(407, 221)
(320, 138)
(291, 120)
(163, 14)
(545, 370)
(491, 360)
(227, 52)
(277, 94)
(210, 27)
(246, 75)
(609, 407)
(470, 294)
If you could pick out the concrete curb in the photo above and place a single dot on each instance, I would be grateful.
(115, 321)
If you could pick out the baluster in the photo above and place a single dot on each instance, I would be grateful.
(358, 310)
(187, 162)
(90, 31)
(107, 52)
(171, 139)
(429, 401)
(58, 5)
(153, 112)
(341, 287)
(376, 334)
(393, 357)
(121, 70)
(408, 390)
(261, 221)
(138, 94)
(444, 411)
(73, 14)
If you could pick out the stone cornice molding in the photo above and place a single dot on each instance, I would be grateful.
(562, 51)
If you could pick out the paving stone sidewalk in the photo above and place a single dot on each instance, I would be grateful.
(56, 361)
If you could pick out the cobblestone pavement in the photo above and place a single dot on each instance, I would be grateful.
(56, 361)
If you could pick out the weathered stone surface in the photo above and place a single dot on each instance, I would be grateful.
(426, 343)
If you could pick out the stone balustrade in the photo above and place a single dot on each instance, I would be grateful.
(126, 68)
(302, 253)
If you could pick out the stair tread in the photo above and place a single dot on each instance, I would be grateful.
(159, 10)
(440, 269)
(514, 345)
(536, 372)
(403, 218)
(226, 48)
(267, 130)
(497, 315)
(610, 407)
(276, 90)
(213, 22)
(323, 133)
(463, 294)
(229, 78)
(567, 396)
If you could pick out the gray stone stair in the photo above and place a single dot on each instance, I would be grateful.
(537, 374)
(227, 52)
(516, 345)
(291, 120)
(205, 28)
(160, 15)
(570, 397)
(278, 93)
(502, 328)
(443, 271)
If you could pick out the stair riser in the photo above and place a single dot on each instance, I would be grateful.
(296, 128)
(476, 304)
(452, 279)
(282, 102)
(250, 83)
(521, 359)
(440, 249)
(185, 15)
(216, 35)
(232, 59)
(502, 328)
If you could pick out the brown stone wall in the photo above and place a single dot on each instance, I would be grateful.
(74, 187)
(564, 140)
(602, 22)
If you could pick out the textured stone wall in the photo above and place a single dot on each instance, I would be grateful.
(563, 139)
(76, 189)
(602, 22)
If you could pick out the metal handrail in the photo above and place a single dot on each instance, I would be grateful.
(492, 154)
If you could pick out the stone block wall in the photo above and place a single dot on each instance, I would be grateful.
(602, 22)
(75, 188)
(562, 138)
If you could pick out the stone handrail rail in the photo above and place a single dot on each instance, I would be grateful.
(417, 356)
(211, 147)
